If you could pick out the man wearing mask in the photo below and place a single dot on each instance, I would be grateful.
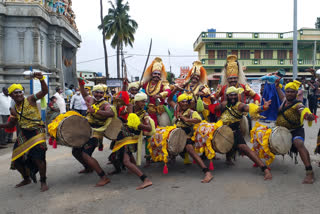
(60, 100)
(78, 103)
(5, 101)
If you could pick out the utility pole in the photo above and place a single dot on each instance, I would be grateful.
(314, 54)
(295, 42)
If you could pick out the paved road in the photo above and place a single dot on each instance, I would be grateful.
(237, 189)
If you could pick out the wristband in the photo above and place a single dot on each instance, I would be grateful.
(43, 78)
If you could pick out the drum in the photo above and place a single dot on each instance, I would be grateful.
(280, 140)
(164, 120)
(113, 129)
(223, 139)
(73, 131)
(244, 126)
(177, 140)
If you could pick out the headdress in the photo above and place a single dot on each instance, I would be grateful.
(233, 89)
(14, 87)
(140, 96)
(198, 69)
(293, 85)
(184, 97)
(100, 87)
(233, 69)
(133, 85)
(122, 98)
(156, 65)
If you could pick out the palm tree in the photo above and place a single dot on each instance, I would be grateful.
(119, 27)
(104, 41)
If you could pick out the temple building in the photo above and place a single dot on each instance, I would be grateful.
(41, 34)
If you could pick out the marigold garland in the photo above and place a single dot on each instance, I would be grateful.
(52, 127)
(261, 145)
(207, 146)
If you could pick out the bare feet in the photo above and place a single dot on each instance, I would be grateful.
(85, 171)
(145, 184)
(103, 181)
(267, 175)
(23, 183)
(207, 178)
(309, 179)
(44, 187)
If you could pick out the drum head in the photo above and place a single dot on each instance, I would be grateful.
(280, 140)
(74, 131)
(177, 141)
(112, 131)
(164, 120)
(244, 126)
(223, 139)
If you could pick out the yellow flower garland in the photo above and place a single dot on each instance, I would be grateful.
(264, 152)
(163, 144)
(207, 148)
(52, 127)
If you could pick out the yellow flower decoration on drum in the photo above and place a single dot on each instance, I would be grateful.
(260, 139)
(159, 141)
(202, 136)
(95, 108)
(52, 127)
(133, 121)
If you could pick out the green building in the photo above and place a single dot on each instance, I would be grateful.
(258, 53)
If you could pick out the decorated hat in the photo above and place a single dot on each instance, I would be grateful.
(232, 66)
(156, 65)
(198, 69)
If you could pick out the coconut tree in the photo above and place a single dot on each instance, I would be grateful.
(119, 27)
(104, 41)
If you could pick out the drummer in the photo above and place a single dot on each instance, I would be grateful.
(185, 118)
(231, 113)
(128, 139)
(291, 115)
(29, 151)
(98, 112)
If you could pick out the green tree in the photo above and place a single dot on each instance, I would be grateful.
(119, 27)
(104, 41)
(318, 23)
(170, 77)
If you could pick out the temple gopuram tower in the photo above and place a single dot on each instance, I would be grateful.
(41, 34)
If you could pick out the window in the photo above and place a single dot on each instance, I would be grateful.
(263, 70)
(211, 56)
(268, 54)
(217, 70)
(222, 54)
(244, 54)
(257, 54)
(282, 54)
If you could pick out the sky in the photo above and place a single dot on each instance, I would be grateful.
(175, 25)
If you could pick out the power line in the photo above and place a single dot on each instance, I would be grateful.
(100, 58)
